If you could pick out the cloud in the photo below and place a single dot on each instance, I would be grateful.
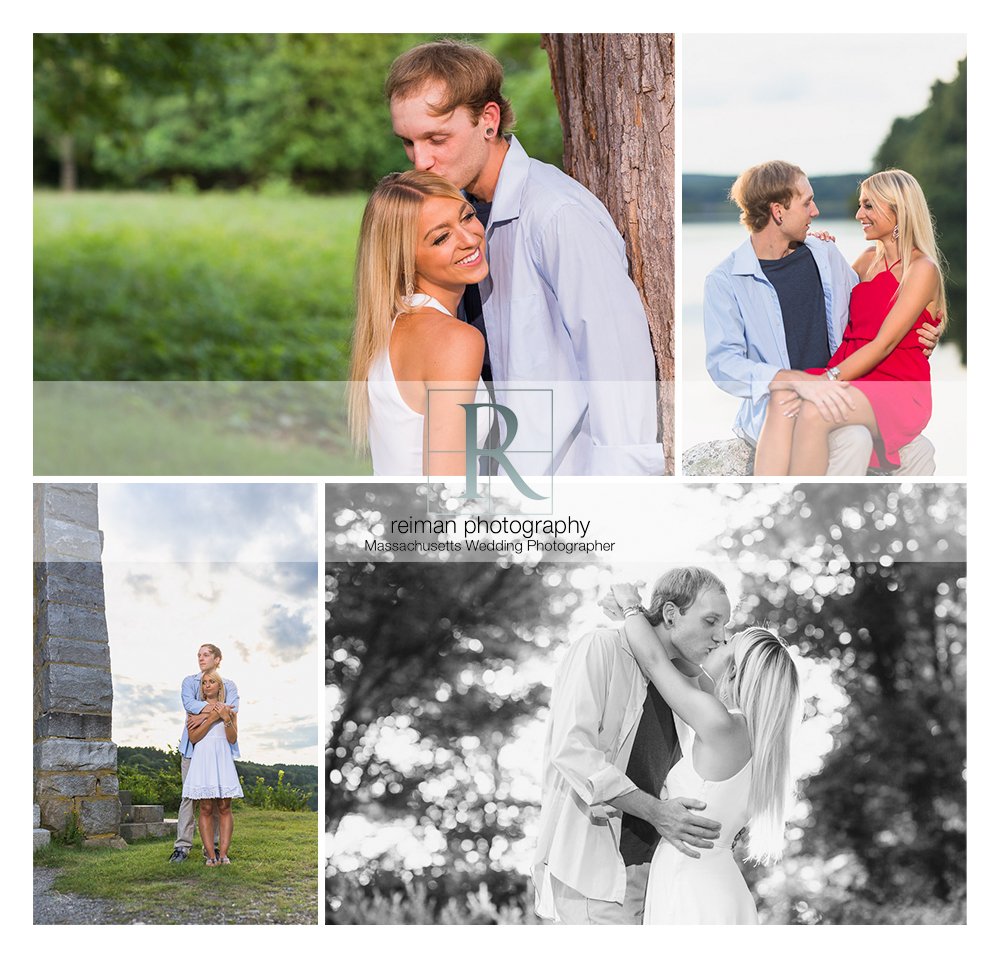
(142, 584)
(294, 579)
(136, 697)
(197, 522)
(299, 732)
(289, 634)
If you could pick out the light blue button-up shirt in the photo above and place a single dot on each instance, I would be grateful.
(193, 705)
(744, 332)
(561, 313)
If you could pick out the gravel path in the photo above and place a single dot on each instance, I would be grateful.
(56, 908)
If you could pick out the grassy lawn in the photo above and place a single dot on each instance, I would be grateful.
(144, 286)
(247, 292)
(139, 436)
(272, 878)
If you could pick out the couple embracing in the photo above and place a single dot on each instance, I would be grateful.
(208, 751)
(829, 359)
(485, 273)
(664, 742)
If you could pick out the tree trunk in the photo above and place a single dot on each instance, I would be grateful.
(67, 163)
(615, 93)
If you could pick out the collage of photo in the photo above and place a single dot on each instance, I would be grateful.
(544, 455)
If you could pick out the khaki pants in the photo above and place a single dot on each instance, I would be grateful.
(185, 817)
(573, 909)
(851, 448)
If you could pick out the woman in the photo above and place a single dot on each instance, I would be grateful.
(735, 759)
(413, 363)
(881, 363)
(211, 777)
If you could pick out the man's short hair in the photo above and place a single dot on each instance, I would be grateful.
(757, 188)
(681, 587)
(214, 649)
(471, 78)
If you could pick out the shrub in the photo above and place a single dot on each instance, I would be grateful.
(281, 796)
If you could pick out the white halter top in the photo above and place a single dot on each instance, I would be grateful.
(395, 431)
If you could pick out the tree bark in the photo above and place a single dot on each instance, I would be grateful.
(615, 94)
(67, 163)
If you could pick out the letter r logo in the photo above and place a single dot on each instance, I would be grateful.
(473, 452)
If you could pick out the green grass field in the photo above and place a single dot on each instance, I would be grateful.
(144, 286)
(248, 293)
(272, 878)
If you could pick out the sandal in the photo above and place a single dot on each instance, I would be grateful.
(211, 862)
(224, 860)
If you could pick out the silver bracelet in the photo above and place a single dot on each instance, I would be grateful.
(633, 610)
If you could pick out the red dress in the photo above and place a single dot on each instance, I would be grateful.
(899, 387)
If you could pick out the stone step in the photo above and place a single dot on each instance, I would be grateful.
(41, 837)
(37, 816)
(133, 831)
(146, 813)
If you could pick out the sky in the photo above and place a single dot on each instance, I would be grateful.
(232, 564)
(823, 102)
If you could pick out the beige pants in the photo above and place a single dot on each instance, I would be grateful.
(573, 909)
(851, 448)
(185, 817)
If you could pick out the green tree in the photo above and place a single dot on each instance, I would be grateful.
(932, 146)
(874, 584)
(424, 659)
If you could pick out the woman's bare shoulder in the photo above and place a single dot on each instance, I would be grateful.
(864, 262)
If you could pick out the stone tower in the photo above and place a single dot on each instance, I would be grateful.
(75, 760)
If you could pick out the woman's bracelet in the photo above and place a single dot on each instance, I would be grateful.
(633, 610)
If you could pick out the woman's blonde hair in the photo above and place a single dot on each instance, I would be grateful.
(764, 685)
(897, 191)
(212, 674)
(384, 276)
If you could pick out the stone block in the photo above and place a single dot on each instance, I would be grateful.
(41, 837)
(37, 815)
(90, 574)
(720, 457)
(133, 831)
(74, 502)
(161, 829)
(106, 841)
(67, 541)
(108, 785)
(68, 784)
(72, 725)
(58, 587)
(55, 811)
(71, 755)
(100, 816)
(124, 796)
(75, 688)
(147, 813)
(75, 622)
(75, 652)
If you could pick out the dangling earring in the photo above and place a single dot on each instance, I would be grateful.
(409, 288)
(895, 232)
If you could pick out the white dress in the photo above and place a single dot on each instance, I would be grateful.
(395, 431)
(212, 772)
(709, 890)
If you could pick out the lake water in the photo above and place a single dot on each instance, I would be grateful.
(705, 412)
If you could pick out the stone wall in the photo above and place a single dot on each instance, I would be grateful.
(75, 761)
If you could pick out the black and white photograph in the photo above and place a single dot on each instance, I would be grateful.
(757, 718)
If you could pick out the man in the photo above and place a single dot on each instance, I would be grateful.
(609, 745)
(559, 311)
(209, 657)
(779, 304)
